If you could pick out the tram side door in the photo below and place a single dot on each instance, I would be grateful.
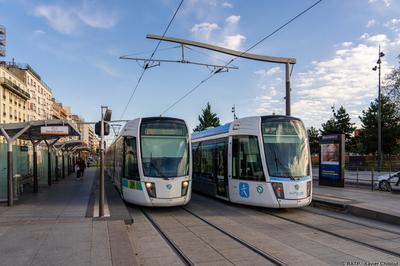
(221, 168)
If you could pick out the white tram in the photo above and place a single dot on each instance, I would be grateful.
(260, 161)
(150, 162)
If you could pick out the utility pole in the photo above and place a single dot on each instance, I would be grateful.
(105, 116)
(380, 159)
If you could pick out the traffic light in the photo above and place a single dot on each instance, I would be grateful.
(97, 128)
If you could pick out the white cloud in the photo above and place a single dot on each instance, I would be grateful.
(58, 18)
(371, 23)
(204, 30)
(385, 2)
(67, 19)
(226, 4)
(393, 24)
(233, 42)
(344, 79)
(265, 73)
(233, 19)
(107, 69)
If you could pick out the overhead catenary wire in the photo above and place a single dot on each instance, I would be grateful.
(236, 57)
(151, 57)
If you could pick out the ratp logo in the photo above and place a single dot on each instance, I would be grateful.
(244, 190)
(169, 186)
(296, 186)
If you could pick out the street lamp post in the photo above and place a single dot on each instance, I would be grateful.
(378, 67)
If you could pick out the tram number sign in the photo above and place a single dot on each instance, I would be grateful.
(54, 130)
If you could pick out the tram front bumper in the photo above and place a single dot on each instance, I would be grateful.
(169, 201)
(294, 203)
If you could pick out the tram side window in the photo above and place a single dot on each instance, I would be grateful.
(196, 153)
(207, 159)
(131, 163)
(246, 159)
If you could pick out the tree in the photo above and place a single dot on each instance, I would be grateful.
(207, 119)
(313, 138)
(392, 85)
(390, 119)
(340, 123)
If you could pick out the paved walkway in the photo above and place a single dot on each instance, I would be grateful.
(51, 228)
(379, 205)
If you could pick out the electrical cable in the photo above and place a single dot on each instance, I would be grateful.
(151, 57)
(233, 59)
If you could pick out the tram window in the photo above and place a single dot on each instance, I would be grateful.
(131, 164)
(196, 153)
(207, 160)
(246, 159)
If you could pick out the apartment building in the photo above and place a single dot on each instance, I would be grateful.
(14, 97)
(40, 104)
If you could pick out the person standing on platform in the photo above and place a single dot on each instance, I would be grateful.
(78, 170)
(82, 166)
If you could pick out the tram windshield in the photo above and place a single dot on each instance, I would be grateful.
(164, 148)
(285, 147)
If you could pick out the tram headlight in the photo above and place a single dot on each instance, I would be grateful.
(151, 189)
(278, 189)
(185, 187)
(308, 188)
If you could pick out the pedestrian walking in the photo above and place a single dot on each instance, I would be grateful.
(82, 166)
(78, 170)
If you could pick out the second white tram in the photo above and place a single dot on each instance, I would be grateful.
(260, 161)
(150, 162)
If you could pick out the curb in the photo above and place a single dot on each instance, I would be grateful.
(351, 207)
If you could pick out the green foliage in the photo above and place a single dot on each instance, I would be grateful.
(313, 138)
(207, 119)
(392, 85)
(390, 127)
(340, 123)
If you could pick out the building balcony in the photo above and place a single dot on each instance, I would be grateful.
(8, 84)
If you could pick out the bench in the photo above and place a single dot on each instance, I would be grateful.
(23, 180)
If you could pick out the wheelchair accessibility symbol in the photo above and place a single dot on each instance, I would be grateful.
(260, 189)
(244, 190)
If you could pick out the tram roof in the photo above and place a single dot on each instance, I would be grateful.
(212, 131)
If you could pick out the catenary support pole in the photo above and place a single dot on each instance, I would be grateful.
(101, 183)
(287, 89)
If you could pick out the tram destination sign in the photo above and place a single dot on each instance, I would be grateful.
(54, 130)
(331, 160)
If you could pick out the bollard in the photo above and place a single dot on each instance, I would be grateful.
(357, 176)
(372, 180)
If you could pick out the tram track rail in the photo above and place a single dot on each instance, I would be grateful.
(253, 248)
(185, 260)
(316, 228)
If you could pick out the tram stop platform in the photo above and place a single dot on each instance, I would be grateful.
(57, 226)
(377, 205)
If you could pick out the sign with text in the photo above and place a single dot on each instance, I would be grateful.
(54, 130)
(331, 160)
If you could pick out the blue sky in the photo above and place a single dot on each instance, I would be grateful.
(75, 47)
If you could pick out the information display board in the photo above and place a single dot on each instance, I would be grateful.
(54, 130)
(331, 160)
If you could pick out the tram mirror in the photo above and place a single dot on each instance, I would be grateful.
(331, 160)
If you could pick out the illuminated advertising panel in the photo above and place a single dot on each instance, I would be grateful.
(331, 166)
